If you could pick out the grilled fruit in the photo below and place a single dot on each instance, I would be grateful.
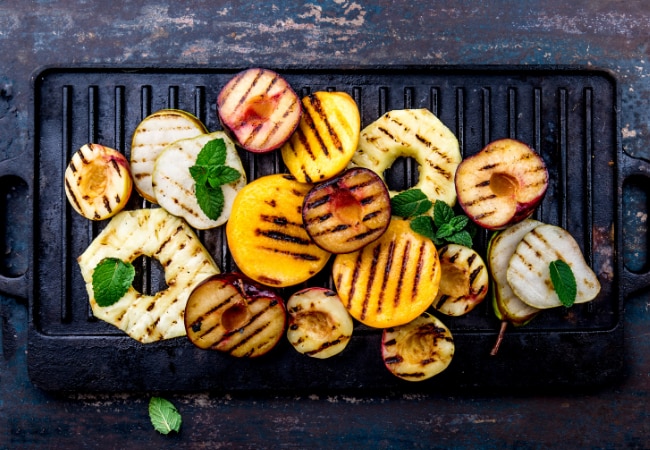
(464, 281)
(319, 324)
(260, 109)
(528, 271)
(348, 211)
(233, 314)
(151, 136)
(175, 188)
(390, 281)
(98, 181)
(266, 236)
(326, 138)
(419, 349)
(417, 134)
(160, 235)
(507, 307)
(502, 184)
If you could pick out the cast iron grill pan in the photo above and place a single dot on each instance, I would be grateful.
(568, 115)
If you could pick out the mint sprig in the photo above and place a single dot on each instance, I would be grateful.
(210, 172)
(164, 415)
(444, 227)
(111, 279)
(564, 282)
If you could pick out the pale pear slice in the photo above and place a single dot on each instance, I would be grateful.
(507, 306)
(528, 271)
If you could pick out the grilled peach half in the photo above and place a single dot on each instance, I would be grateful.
(266, 236)
(348, 211)
(326, 138)
(390, 281)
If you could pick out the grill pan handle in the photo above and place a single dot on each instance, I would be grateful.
(633, 281)
(15, 286)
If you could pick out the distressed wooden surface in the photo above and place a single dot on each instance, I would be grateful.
(608, 34)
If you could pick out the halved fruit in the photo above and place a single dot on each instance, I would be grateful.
(151, 136)
(157, 234)
(319, 324)
(348, 211)
(325, 139)
(419, 349)
(417, 134)
(233, 314)
(464, 281)
(259, 109)
(176, 190)
(528, 271)
(98, 181)
(266, 236)
(502, 184)
(390, 281)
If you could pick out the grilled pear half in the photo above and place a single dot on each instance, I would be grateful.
(528, 271)
(160, 235)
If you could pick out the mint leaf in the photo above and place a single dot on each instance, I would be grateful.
(164, 416)
(461, 238)
(445, 230)
(210, 200)
(564, 282)
(213, 153)
(199, 174)
(410, 203)
(424, 226)
(442, 213)
(111, 279)
(220, 175)
(459, 222)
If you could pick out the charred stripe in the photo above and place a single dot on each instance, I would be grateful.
(376, 252)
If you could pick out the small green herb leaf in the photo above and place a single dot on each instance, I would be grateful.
(445, 230)
(111, 279)
(210, 173)
(164, 415)
(442, 213)
(210, 200)
(462, 238)
(564, 282)
(424, 226)
(410, 203)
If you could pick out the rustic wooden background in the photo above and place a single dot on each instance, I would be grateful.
(338, 33)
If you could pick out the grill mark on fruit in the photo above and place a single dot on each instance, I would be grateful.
(279, 220)
(282, 237)
(276, 126)
(251, 85)
(390, 136)
(481, 199)
(311, 125)
(376, 252)
(353, 281)
(400, 281)
(295, 255)
(324, 117)
(325, 345)
(318, 202)
(367, 200)
(394, 359)
(72, 194)
(390, 253)
(489, 166)
(442, 300)
(371, 215)
(362, 236)
(419, 269)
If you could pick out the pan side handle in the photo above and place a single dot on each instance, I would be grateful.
(15, 226)
(633, 218)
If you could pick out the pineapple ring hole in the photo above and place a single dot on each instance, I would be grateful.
(503, 185)
(402, 174)
(236, 316)
(149, 275)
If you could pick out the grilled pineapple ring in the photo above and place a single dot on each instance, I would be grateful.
(167, 238)
(417, 134)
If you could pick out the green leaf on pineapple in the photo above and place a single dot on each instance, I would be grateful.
(410, 203)
(111, 279)
(564, 282)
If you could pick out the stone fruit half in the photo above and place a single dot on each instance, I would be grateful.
(390, 281)
(259, 109)
(348, 211)
(233, 314)
(417, 350)
(528, 271)
(151, 136)
(98, 181)
(319, 325)
(502, 184)
(266, 236)
(464, 281)
(325, 139)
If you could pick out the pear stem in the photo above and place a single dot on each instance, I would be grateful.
(497, 344)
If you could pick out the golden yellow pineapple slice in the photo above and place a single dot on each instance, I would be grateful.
(167, 238)
(417, 134)
(390, 281)
(326, 138)
(266, 236)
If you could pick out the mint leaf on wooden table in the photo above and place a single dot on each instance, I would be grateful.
(564, 282)
(111, 279)
(164, 415)
(210, 172)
